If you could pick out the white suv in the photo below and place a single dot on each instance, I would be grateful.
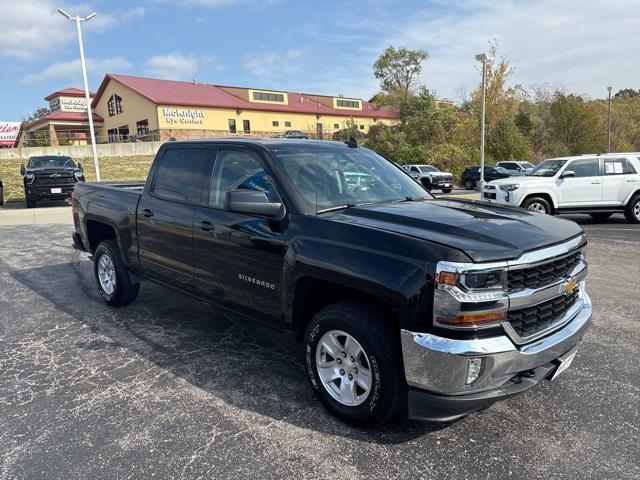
(430, 177)
(599, 185)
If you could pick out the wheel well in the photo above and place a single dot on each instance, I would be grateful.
(312, 294)
(633, 195)
(546, 196)
(99, 232)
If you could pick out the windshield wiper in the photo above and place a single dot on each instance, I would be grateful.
(338, 207)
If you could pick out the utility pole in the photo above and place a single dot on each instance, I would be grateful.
(484, 58)
(87, 96)
(609, 122)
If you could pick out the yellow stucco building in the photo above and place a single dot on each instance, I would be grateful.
(136, 108)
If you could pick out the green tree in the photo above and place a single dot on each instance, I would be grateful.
(398, 69)
(576, 125)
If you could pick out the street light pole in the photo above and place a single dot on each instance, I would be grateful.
(92, 132)
(609, 122)
(482, 57)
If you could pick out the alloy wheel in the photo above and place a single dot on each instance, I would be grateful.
(106, 274)
(537, 207)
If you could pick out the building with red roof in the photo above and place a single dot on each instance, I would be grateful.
(138, 108)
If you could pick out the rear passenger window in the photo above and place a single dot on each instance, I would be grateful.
(618, 166)
(236, 170)
(180, 174)
(585, 168)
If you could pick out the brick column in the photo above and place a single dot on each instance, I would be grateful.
(53, 138)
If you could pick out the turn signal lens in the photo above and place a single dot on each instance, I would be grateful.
(447, 278)
(472, 318)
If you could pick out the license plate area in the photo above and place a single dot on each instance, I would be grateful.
(564, 362)
(56, 190)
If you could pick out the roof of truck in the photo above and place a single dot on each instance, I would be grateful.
(269, 143)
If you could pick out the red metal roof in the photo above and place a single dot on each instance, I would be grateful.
(67, 117)
(68, 92)
(188, 94)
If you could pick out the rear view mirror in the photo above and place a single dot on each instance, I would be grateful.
(252, 202)
(22, 169)
(568, 173)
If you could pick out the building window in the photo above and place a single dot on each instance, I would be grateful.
(112, 135)
(348, 103)
(114, 105)
(275, 123)
(123, 132)
(246, 126)
(232, 125)
(361, 127)
(287, 124)
(336, 126)
(142, 128)
(268, 97)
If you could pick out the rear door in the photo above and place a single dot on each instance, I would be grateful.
(618, 180)
(585, 188)
(239, 258)
(166, 211)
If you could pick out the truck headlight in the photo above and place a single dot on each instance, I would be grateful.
(79, 176)
(29, 177)
(510, 188)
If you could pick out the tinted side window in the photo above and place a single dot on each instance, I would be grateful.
(236, 169)
(509, 166)
(180, 174)
(585, 168)
(618, 166)
(414, 169)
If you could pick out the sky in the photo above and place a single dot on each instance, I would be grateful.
(325, 47)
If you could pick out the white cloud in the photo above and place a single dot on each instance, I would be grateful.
(584, 46)
(174, 66)
(33, 28)
(273, 65)
(70, 71)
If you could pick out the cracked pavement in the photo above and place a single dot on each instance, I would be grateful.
(170, 387)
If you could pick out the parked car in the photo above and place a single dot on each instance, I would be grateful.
(49, 177)
(1, 193)
(522, 167)
(404, 302)
(293, 134)
(471, 175)
(598, 185)
(430, 177)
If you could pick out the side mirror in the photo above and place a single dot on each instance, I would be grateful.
(252, 202)
(80, 167)
(22, 169)
(568, 173)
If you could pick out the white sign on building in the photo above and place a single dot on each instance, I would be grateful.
(9, 133)
(68, 104)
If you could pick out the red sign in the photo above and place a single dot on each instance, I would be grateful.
(9, 134)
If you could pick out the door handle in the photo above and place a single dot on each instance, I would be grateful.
(632, 181)
(206, 226)
(147, 213)
(595, 183)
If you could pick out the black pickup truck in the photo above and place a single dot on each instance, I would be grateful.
(49, 177)
(405, 303)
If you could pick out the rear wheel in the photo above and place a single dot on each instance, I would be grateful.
(537, 204)
(112, 277)
(469, 184)
(632, 210)
(600, 216)
(354, 364)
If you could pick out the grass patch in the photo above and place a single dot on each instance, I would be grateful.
(111, 168)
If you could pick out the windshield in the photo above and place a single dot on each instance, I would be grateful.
(548, 168)
(428, 168)
(527, 165)
(503, 170)
(328, 179)
(40, 163)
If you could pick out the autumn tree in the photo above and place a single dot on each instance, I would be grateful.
(399, 69)
(576, 125)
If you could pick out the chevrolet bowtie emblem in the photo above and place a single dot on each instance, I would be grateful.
(570, 286)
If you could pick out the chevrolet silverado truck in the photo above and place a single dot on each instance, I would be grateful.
(49, 177)
(430, 177)
(405, 303)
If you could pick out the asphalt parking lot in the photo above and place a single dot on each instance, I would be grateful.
(172, 388)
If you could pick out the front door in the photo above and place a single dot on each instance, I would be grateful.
(239, 258)
(166, 211)
(585, 188)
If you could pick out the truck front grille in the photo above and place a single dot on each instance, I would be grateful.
(542, 275)
(531, 320)
(47, 180)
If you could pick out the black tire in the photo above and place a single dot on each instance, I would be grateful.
(446, 190)
(1, 196)
(469, 185)
(31, 203)
(632, 210)
(125, 290)
(530, 202)
(600, 216)
(387, 398)
(426, 184)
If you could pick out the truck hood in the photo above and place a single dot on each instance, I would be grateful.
(484, 232)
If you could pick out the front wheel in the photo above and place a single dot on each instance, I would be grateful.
(446, 190)
(632, 210)
(354, 363)
(112, 277)
(1, 196)
(537, 204)
(469, 184)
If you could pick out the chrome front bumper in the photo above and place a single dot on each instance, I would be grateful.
(438, 364)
